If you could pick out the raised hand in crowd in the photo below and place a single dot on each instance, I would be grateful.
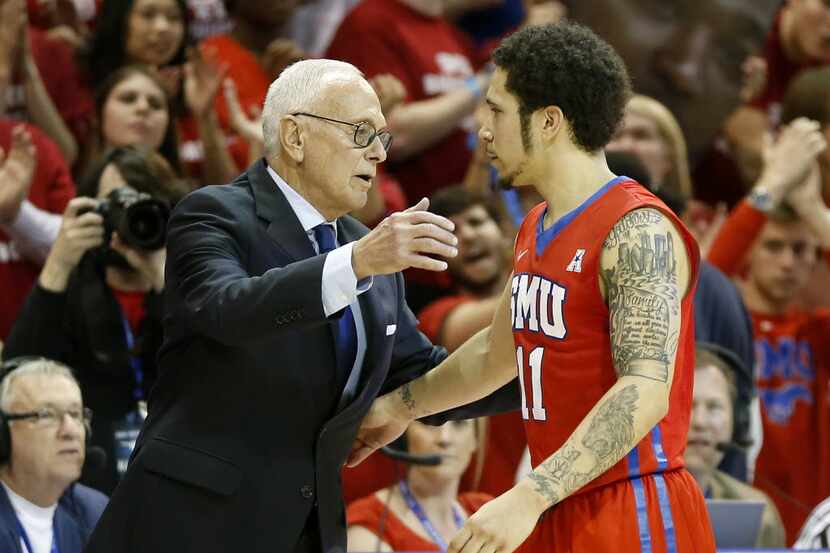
(390, 91)
(789, 159)
(249, 128)
(807, 201)
(149, 263)
(202, 78)
(81, 230)
(16, 171)
(279, 54)
(405, 239)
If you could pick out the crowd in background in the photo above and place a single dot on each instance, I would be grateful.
(106, 104)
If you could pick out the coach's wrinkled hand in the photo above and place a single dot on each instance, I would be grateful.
(385, 421)
(405, 239)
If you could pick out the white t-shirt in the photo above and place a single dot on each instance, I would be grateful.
(36, 521)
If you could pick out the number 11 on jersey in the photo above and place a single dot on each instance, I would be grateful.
(537, 412)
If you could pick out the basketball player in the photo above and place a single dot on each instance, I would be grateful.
(597, 317)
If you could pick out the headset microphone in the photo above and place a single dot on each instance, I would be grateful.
(96, 457)
(421, 460)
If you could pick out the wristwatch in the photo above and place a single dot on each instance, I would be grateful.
(760, 198)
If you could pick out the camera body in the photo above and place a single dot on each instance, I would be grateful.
(139, 219)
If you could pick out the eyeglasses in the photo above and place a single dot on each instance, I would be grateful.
(364, 133)
(52, 416)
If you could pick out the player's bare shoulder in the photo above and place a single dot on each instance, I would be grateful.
(644, 276)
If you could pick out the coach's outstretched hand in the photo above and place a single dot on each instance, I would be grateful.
(405, 239)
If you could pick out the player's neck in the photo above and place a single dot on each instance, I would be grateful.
(789, 40)
(571, 178)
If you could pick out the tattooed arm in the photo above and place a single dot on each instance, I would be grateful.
(644, 276)
(482, 365)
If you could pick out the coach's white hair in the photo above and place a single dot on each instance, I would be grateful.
(39, 367)
(296, 89)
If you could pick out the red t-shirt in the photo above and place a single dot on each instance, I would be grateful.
(63, 81)
(251, 86)
(430, 58)
(780, 72)
(52, 188)
(132, 306)
(792, 354)
(370, 511)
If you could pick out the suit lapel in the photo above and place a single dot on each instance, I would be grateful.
(271, 205)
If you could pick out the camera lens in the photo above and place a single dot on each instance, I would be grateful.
(147, 222)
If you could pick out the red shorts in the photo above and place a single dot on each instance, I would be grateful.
(662, 513)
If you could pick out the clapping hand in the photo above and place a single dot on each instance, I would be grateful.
(202, 77)
(16, 172)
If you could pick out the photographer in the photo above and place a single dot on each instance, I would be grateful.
(97, 302)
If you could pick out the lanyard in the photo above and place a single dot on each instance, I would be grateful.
(28, 544)
(416, 508)
(135, 360)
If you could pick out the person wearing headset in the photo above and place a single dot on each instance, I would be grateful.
(43, 431)
(423, 510)
(711, 433)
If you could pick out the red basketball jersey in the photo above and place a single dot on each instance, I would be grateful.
(562, 332)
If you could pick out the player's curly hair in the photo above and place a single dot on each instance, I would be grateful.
(566, 65)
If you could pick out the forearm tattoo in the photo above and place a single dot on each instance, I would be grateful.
(609, 437)
(406, 396)
(642, 296)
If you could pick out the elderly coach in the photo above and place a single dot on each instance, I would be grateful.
(284, 319)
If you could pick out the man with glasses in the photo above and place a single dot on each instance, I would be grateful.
(284, 319)
(44, 426)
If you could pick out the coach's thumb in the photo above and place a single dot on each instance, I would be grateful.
(422, 205)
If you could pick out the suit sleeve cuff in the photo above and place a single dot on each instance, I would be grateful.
(340, 286)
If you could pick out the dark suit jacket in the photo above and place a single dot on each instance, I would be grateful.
(75, 516)
(243, 437)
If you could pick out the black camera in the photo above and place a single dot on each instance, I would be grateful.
(139, 219)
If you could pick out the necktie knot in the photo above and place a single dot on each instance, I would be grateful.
(324, 235)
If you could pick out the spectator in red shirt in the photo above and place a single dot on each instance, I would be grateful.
(424, 510)
(799, 39)
(34, 73)
(35, 186)
(437, 66)
(781, 247)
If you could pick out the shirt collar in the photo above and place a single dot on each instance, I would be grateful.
(307, 214)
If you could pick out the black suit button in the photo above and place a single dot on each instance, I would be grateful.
(307, 491)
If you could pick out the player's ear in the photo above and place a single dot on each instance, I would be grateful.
(552, 122)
